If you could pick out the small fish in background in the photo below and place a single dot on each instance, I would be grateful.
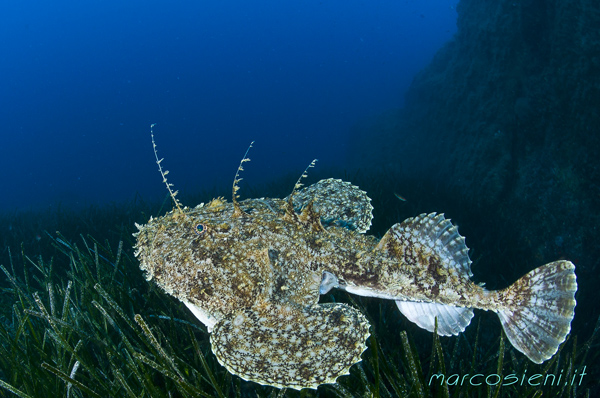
(252, 272)
(402, 198)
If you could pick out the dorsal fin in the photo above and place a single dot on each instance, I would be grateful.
(164, 173)
(338, 203)
(310, 217)
(298, 185)
(237, 211)
(431, 244)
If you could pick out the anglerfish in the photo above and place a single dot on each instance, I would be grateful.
(252, 272)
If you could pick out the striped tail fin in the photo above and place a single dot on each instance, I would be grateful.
(538, 309)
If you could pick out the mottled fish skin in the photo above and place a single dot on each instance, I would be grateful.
(235, 261)
(260, 267)
(252, 272)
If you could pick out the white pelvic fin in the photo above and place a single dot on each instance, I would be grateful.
(202, 316)
(328, 282)
(451, 320)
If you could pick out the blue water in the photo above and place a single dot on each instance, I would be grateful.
(83, 80)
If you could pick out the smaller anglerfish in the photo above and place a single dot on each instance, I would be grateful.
(252, 271)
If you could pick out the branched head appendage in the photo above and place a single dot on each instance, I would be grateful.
(237, 211)
(164, 173)
(299, 184)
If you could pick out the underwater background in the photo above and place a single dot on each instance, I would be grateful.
(83, 81)
(484, 110)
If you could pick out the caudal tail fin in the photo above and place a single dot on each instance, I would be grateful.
(538, 309)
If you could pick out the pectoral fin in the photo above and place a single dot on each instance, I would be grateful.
(288, 346)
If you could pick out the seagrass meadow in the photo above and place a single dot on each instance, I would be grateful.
(78, 318)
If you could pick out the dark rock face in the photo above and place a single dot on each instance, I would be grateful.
(508, 114)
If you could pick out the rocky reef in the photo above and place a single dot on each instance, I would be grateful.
(507, 117)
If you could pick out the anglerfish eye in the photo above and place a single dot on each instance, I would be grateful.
(200, 229)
